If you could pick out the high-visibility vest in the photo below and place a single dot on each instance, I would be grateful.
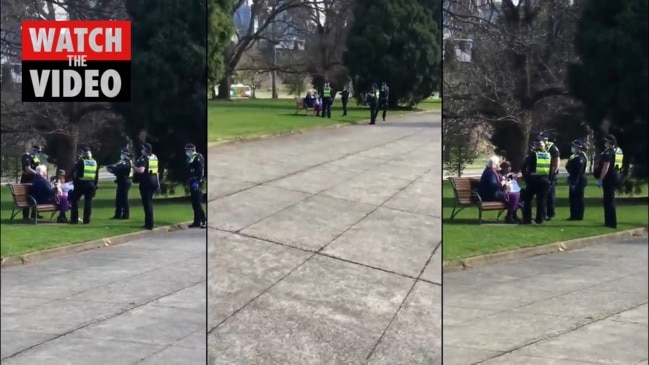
(153, 164)
(377, 94)
(543, 162)
(326, 92)
(89, 170)
(37, 161)
(619, 158)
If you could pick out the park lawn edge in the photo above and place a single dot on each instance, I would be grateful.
(258, 137)
(72, 248)
(473, 262)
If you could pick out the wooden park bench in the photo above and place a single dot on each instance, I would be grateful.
(466, 195)
(300, 105)
(22, 199)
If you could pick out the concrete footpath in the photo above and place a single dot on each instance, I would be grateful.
(324, 247)
(587, 306)
(141, 302)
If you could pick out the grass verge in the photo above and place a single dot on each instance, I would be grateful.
(463, 237)
(247, 118)
(20, 237)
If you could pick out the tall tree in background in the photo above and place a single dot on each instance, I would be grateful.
(611, 78)
(220, 30)
(396, 41)
(169, 75)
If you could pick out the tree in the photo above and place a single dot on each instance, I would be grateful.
(262, 14)
(611, 77)
(518, 56)
(396, 41)
(220, 30)
(169, 73)
(64, 126)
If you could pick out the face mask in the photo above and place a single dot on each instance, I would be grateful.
(574, 149)
(123, 157)
(143, 152)
(89, 155)
(37, 153)
(189, 153)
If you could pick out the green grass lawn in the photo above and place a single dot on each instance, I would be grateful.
(245, 118)
(463, 237)
(20, 237)
(430, 104)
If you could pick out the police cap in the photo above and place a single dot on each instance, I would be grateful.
(577, 143)
(610, 138)
(190, 146)
(37, 147)
(543, 136)
(85, 149)
(147, 147)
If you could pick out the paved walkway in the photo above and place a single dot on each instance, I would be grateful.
(323, 247)
(587, 306)
(137, 303)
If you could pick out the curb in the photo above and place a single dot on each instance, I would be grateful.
(527, 252)
(90, 245)
(304, 130)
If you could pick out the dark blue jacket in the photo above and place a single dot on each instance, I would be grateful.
(490, 188)
(41, 190)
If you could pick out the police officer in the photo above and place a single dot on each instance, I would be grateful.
(145, 172)
(344, 98)
(536, 172)
(85, 176)
(576, 167)
(372, 100)
(29, 161)
(123, 172)
(609, 176)
(327, 100)
(195, 171)
(384, 96)
(554, 171)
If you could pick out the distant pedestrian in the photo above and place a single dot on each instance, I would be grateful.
(85, 175)
(146, 172)
(344, 98)
(372, 98)
(195, 171)
(384, 99)
(327, 99)
(609, 177)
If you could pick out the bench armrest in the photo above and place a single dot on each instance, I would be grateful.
(476, 197)
(31, 201)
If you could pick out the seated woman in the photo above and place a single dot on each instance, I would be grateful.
(309, 100)
(492, 187)
(61, 195)
(512, 188)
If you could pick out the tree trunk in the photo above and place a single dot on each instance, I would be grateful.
(224, 86)
(517, 154)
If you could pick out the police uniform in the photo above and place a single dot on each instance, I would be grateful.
(344, 98)
(148, 181)
(536, 172)
(327, 98)
(29, 161)
(195, 166)
(576, 167)
(123, 171)
(384, 99)
(85, 176)
(611, 180)
(552, 193)
(372, 99)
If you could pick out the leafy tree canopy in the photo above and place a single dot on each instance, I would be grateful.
(396, 41)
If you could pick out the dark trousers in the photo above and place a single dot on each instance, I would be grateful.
(373, 111)
(197, 197)
(121, 200)
(146, 194)
(539, 187)
(552, 198)
(87, 191)
(344, 102)
(326, 107)
(576, 199)
(383, 105)
(610, 215)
